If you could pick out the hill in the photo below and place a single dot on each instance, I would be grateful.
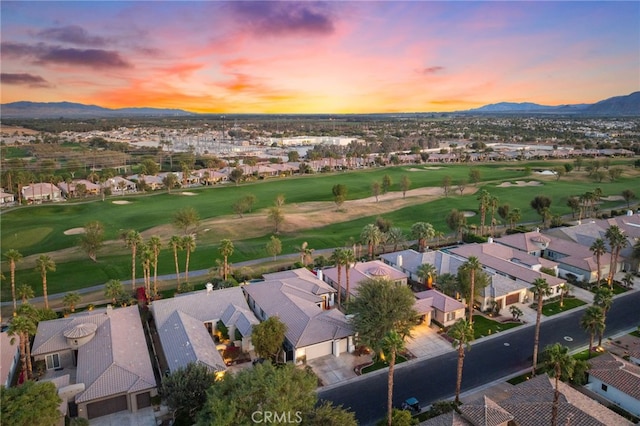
(25, 109)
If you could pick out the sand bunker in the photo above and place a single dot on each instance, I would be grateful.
(519, 183)
(187, 193)
(423, 169)
(121, 202)
(613, 198)
(468, 213)
(74, 231)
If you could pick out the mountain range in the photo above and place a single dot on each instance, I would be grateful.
(628, 105)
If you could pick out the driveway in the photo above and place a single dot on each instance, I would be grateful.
(143, 417)
(427, 343)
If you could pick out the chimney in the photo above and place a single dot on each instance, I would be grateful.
(109, 310)
(320, 275)
(399, 260)
(629, 212)
(490, 240)
(209, 287)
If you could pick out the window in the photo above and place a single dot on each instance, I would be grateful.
(451, 316)
(604, 387)
(53, 361)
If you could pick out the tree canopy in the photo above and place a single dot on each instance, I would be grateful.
(185, 389)
(31, 404)
(268, 337)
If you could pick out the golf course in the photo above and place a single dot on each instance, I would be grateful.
(310, 215)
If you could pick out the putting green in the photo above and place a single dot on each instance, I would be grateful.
(26, 238)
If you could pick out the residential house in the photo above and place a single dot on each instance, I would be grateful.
(186, 325)
(444, 310)
(302, 302)
(105, 353)
(70, 189)
(153, 182)
(530, 403)
(616, 380)
(517, 271)
(360, 271)
(408, 261)
(7, 199)
(41, 192)
(574, 260)
(120, 185)
(9, 357)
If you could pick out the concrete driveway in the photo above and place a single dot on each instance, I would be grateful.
(427, 343)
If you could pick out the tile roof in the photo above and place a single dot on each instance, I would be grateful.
(363, 270)
(617, 373)
(440, 301)
(106, 363)
(307, 323)
(243, 319)
(451, 418)
(7, 354)
(485, 412)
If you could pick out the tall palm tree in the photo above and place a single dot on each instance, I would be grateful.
(176, 244)
(540, 290)
(338, 259)
(392, 343)
(155, 244)
(226, 250)
(514, 217)
(23, 327)
(189, 245)
(13, 256)
(493, 205)
(617, 241)
(593, 322)
(349, 259)
(462, 334)
(472, 265)
(371, 236)
(422, 231)
(598, 248)
(427, 273)
(146, 258)
(44, 263)
(25, 292)
(396, 237)
(484, 198)
(559, 364)
(603, 297)
(132, 239)
(305, 253)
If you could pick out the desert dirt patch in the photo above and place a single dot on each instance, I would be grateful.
(74, 231)
(188, 193)
(520, 183)
(121, 202)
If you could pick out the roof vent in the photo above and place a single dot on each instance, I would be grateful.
(80, 334)
(377, 272)
(209, 287)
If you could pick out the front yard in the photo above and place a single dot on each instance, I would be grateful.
(553, 308)
(483, 326)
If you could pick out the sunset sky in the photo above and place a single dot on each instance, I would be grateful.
(318, 57)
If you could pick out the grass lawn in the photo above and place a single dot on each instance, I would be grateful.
(552, 308)
(619, 289)
(382, 364)
(483, 326)
(40, 229)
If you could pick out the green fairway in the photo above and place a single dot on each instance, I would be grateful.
(41, 229)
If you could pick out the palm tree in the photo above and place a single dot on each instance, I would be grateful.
(71, 299)
(484, 198)
(392, 343)
(422, 231)
(514, 217)
(132, 239)
(305, 253)
(45, 263)
(372, 236)
(559, 364)
(472, 265)
(226, 250)
(462, 334)
(155, 244)
(338, 258)
(146, 257)
(25, 292)
(427, 272)
(349, 259)
(540, 290)
(598, 248)
(617, 241)
(603, 297)
(628, 280)
(493, 205)
(14, 257)
(23, 327)
(176, 244)
(113, 289)
(189, 245)
(396, 237)
(593, 322)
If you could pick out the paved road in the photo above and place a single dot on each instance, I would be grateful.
(490, 359)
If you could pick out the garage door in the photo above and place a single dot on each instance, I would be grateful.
(108, 406)
(143, 400)
(513, 298)
(319, 350)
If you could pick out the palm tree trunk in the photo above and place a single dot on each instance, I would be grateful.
(536, 338)
(590, 344)
(44, 290)
(392, 364)
(459, 372)
(23, 354)
(339, 284)
(471, 296)
(346, 297)
(155, 275)
(13, 285)
(186, 267)
(133, 268)
(29, 365)
(226, 269)
(556, 397)
(175, 258)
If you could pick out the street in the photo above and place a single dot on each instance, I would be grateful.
(506, 354)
